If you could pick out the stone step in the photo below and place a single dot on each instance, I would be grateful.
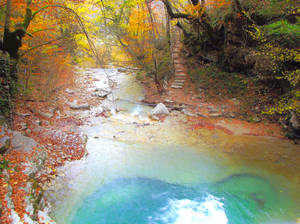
(180, 77)
(180, 74)
(177, 84)
(176, 87)
(177, 62)
(179, 81)
(179, 67)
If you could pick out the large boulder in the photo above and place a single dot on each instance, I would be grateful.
(160, 109)
(21, 142)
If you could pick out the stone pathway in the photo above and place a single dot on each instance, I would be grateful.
(180, 71)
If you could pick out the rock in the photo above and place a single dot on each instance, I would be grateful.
(5, 142)
(255, 119)
(295, 121)
(47, 123)
(45, 114)
(216, 115)
(38, 129)
(189, 113)
(168, 101)
(155, 118)
(69, 91)
(21, 142)
(160, 109)
(75, 106)
(199, 96)
(53, 109)
(101, 92)
(43, 217)
(122, 70)
(235, 101)
(38, 122)
(22, 115)
(231, 115)
(212, 109)
(201, 115)
(23, 126)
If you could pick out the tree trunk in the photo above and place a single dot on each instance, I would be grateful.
(168, 27)
(158, 85)
(7, 20)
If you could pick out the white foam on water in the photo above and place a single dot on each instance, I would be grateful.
(185, 211)
(136, 112)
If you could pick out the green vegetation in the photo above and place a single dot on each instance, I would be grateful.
(283, 33)
(233, 43)
(220, 83)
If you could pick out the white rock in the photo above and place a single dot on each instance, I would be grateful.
(44, 218)
(160, 109)
(69, 91)
(15, 219)
(75, 106)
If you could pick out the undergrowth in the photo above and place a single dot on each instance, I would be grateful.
(217, 83)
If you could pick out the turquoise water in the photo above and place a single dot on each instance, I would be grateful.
(238, 199)
(135, 174)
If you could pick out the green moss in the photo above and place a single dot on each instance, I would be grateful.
(287, 35)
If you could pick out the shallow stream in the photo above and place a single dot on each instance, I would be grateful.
(142, 172)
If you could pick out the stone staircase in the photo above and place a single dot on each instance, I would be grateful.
(180, 73)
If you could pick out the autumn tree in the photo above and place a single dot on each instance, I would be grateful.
(136, 27)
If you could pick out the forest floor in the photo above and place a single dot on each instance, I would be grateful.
(40, 127)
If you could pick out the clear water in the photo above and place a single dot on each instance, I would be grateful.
(141, 200)
(126, 179)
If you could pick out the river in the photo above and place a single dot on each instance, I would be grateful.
(146, 172)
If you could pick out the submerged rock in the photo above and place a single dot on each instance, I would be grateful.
(160, 109)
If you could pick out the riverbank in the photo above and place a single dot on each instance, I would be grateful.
(212, 114)
(58, 127)
(240, 140)
(44, 137)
